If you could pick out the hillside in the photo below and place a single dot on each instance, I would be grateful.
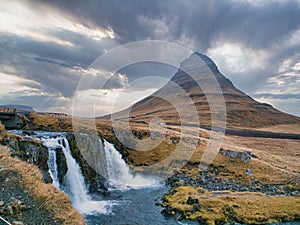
(25, 198)
(242, 111)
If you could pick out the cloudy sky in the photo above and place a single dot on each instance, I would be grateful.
(46, 46)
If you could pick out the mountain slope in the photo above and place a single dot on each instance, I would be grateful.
(168, 102)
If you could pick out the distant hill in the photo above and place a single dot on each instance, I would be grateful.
(242, 110)
(25, 108)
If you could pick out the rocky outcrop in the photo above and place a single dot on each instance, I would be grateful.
(31, 151)
(61, 164)
(208, 181)
(12, 120)
(244, 156)
(94, 181)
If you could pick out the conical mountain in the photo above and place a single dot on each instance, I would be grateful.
(198, 79)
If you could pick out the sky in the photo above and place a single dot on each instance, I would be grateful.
(47, 46)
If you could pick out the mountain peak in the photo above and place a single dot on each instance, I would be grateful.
(199, 58)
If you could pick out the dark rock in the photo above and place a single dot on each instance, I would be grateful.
(61, 163)
(192, 200)
(94, 180)
(196, 207)
(28, 132)
(12, 121)
(30, 151)
(175, 140)
(167, 211)
(216, 171)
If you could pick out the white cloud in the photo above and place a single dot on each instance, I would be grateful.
(10, 84)
(290, 105)
(21, 18)
(236, 58)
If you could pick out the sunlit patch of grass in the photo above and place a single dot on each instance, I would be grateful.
(51, 121)
(243, 207)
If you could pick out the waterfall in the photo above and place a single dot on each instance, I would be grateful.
(74, 184)
(106, 160)
(53, 167)
(119, 173)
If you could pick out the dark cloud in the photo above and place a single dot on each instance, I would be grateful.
(199, 24)
(205, 24)
(206, 21)
(56, 68)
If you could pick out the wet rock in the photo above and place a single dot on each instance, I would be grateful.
(61, 163)
(94, 180)
(167, 211)
(2, 203)
(28, 132)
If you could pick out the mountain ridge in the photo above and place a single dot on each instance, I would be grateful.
(242, 110)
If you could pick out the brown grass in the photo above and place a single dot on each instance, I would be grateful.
(45, 194)
(51, 121)
(249, 208)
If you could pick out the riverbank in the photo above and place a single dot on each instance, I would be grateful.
(211, 200)
(26, 199)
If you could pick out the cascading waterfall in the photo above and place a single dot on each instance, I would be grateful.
(119, 173)
(74, 181)
(52, 167)
(108, 160)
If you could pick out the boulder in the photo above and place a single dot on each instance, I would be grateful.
(244, 156)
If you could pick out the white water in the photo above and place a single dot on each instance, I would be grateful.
(74, 184)
(119, 173)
